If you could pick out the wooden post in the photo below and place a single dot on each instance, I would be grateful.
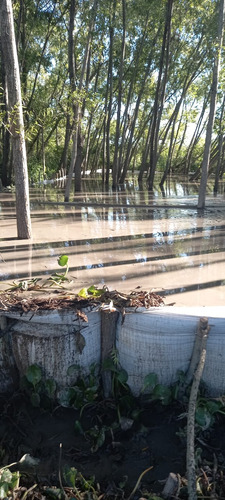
(203, 330)
(108, 338)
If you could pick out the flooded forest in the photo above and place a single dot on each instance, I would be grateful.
(117, 108)
(112, 249)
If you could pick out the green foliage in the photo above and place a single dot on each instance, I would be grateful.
(92, 291)
(58, 279)
(121, 393)
(157, 392)
(8, 482)
(41, 391)
(84, 391)
(206, 412)
(75, 480)
(48, 97)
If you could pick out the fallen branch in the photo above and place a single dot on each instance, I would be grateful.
(200, 347)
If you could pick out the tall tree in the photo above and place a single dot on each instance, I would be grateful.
(160, 92)
(12, 88)
(215, 76)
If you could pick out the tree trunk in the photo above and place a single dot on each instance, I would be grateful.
(220, 148)
(208, 139)
(63, 160)
(134, 118)
(72, 76)
(9, 52)
(74, 165)
(119, 99)
(160, 93)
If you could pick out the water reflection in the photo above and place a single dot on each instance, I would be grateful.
(125, 239)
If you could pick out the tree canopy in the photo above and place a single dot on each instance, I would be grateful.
(116, 86)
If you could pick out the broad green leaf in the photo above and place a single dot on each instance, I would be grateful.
(34, 374)
(83, 293)
(203, 418)
(162, 393)
(93, 290)
(15, 480)
(150, 381)
(63, 260)
(70, 475)
(6, 476)
(4, 488)
(73, 370)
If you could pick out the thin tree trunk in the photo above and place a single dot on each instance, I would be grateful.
(119, 100)
(72, 76)
(145, 154)
(220, 148)
(109, 91)
(126, 118)
(208, 139)
(134, 119)
(160, 93)
(195, 138)
(9, 52)
(75, 166)
(6, 134)
(63, 160)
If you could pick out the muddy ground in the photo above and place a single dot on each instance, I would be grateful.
(60, 438)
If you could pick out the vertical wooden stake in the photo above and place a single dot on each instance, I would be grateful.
(108, 339)
(203, 330)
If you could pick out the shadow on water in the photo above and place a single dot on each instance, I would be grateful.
(125, 238)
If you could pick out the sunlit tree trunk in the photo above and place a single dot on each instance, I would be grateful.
(208, 139)
(72, 76)
(160, 93)
(119, 99)
(76, 165)
(195, 137)
(9, 52)
(6, 142)
(220, 148)
(134, 121)
(109, 92)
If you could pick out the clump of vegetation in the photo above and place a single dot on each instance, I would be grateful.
(41, 391)
(84, 391)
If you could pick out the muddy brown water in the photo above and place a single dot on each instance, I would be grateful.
(122, 239)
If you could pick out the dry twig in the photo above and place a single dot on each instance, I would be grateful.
(203, 330)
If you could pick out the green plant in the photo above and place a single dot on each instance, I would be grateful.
(58, 279)
(92, 291)
(121, 393)
(41, 391)
(75, 480)
(8, 482)
(206, 412)
(156, 391)
(84, 390)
